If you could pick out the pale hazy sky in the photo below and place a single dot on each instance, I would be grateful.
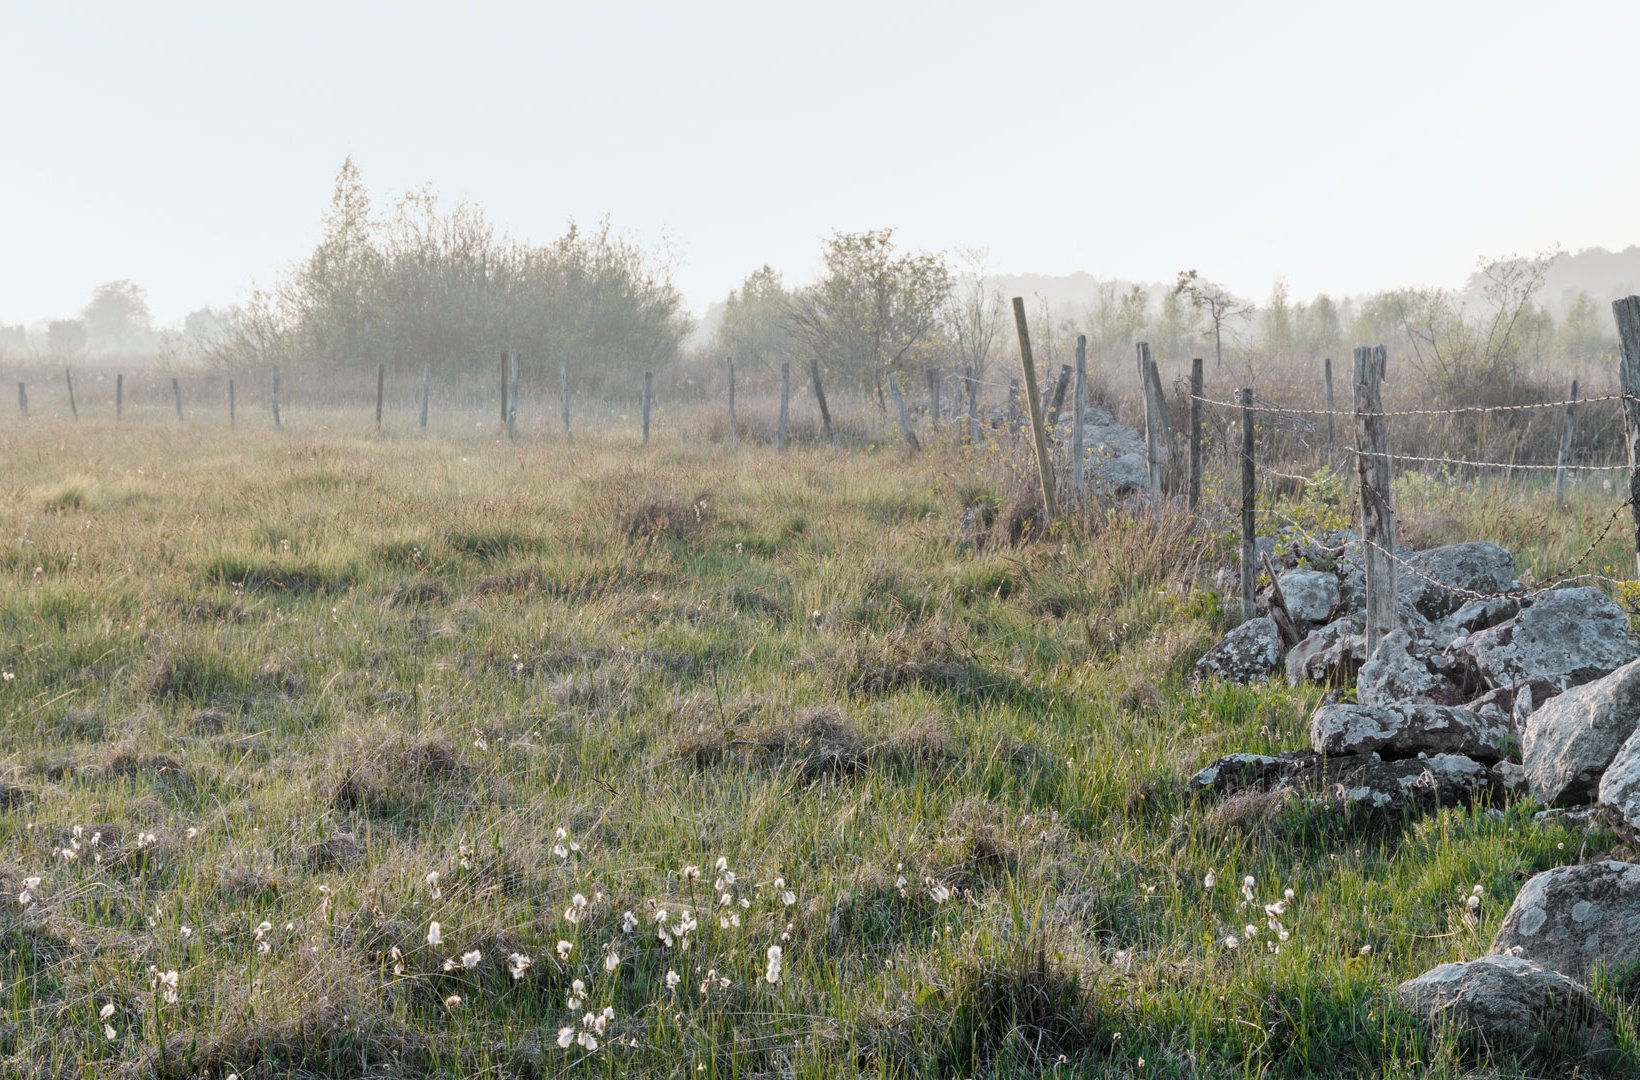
(191, 147)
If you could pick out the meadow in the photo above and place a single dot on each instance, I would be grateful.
(329, 754)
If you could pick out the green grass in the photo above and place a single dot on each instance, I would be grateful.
(281, 679)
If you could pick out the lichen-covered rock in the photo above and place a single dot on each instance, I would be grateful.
(1403, 731)
(1573, 919)
(1240, 772)
(1473, 617)
(1399, 672)
(1620, 785)
(1311, 595)
(1393, 787)
(1571, 739)
(1567, 636)
(1510, 779)
(1473, 567)
(1507, 1005)
(1332, 654)
(1249, 653)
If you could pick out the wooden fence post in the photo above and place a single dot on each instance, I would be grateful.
(933, 397)
(426, 392)
(906, 429)
(1627, 313)
(1014, 414)
(1332, 428)
(73, 407)
(1196, 390)
(820, 398)
(176, 395)
(1164, 423)
(1044, 467)
(381, 389)
(1057, 404)
(1377, 509)
(1249, 508)
(512, 393)
(563, 384)
(1079, 412)
(1154, 451)
(275, 399)
(119, 396)
(785, 405)
(233, 411)
(505, 404)
(1565, 448)
(22, 397)
(972, 388)
(648, 385)
(734, 423)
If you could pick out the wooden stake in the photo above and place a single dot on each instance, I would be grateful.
(734, 425)
(648, 384)
(276, 424)
(1627, 313)
(505, 404)
(1044, 467)
(563, 383)
(906, 429)
(1015, 415)
(1377, 509)
(233, 413)
(73, 408)
(933, 377)
(1249, 509)
(1153, 427)
(1196, 390)
(426, 392)
(1332, 429)
(381, 389)
(176, 394)
(971, 385)
(785, 405)
(22, 398)
(1164, 424)
(1565, 448)
(512, 393)
(1058, 401)
(1079, 412)
(820, 397)
(119, 396)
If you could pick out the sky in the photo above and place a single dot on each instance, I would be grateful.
(191, 147)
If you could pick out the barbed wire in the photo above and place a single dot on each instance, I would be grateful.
(1385, 455)
(1270, 407)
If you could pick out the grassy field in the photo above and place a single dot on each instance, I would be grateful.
(723, 763)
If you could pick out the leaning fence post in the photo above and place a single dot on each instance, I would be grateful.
(119, 396)
(1627, 313)
(275, 399)
(504, 387)
(176, 395)
(1058, 402)
(73, 408)
(1332, 430)
(1196, 388)
(1249, 508)
(1156, 450)
(1377, 510)
(1014, 413)
(734, 424)
(1044, 467)
(648, 385)
(1565, 447)
(1079, 412)
(563, 384)
(512, 393)
(426, 392)
(22, 397)
(785, 405)
(381, 389)
(906, 429)
(933, 377)
(820, 399)
(233, 414)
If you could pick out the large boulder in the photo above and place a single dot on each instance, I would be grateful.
(1249, 653)
(1575, 919)
(1474, 616)
(1240, 772)
(1311, 595)
(1403, 731)
(1400, 672)
(1620, 785)
(1398, 787)
(1568, 636)
(1474, 567)
(1571, 739)
(1332, 654)
(1506, 1005)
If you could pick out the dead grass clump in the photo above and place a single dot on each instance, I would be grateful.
(1247, 811)
(755, 603)
(923, 655)
(817, 744)
(209, 722)
(876, 909)
(1020, 520)
(418, 592)
(165, 771)
(925, 743)
(1018, 1013)
(664, 517)
(188, 675)
(384, 773)
(519, 583)
(336, 852)
(279, 676)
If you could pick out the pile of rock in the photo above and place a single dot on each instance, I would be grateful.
(1528, 996)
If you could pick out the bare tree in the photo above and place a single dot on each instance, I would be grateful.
(975, 311)
(1220, 304)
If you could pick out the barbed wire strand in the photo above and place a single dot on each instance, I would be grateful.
(1480, 464)
(1271, 407)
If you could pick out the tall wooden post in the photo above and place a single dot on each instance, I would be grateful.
(1015, 414)
(648, 386)
(381, 389)
(906, 429)
(563, 385)
(73, 407)
(973, 403)
(505, 404)
(1154, 446)
(233, 409)
(1079, 413)
(1332, 429)
(426, 392)
(22, 397)
(1249, 508)
(1377, 509)
(512, 393)
(1627, 313)
(1044, 467)
(119, 396)
(275, 399)
(820, 399)
(176, 394)
(1565, 454)
(785, 405)
(734, 423)
(1196, 390)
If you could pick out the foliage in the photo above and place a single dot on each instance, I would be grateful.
(117, 318)
(756, 330)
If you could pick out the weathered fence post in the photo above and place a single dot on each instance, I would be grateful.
(973, 403)
(1059, 389)
(1014, 414)
(381, 389)
(1332, 429)
(512, 393)
(1079, 412)
(233, 411)
(1627, 313)
(785, 405)
(426, 392)
(176, 395)
(22, 397)
(820, 399)
(563, 384)
(1249, 508)
(275, 399)
(1565, 454)
(734, 424)
(119, 396)
(1044, 467)
(73, 407)
(648, 386)
(1164, 423)
(1196, 390)
(906, 429)
(1377, 509)
(1155, 448)
(933, 377)
(505, 404)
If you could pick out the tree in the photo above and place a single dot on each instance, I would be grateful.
(1220, 304)
(974, 312)
(872, 309)
(1318, 327)
(756, 329)
(1276, 325)
(1585, 333)
(117, 316)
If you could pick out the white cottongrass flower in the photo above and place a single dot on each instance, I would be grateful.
(690, 873)
(435, 936)
(452, 1002)
(629, 922)
(1210, 880)
(470, 960)
(564, 949)
(577, 991)
(1365, 950)
(26, 897)
(940, 893)
(263, 945)
(672, 980)
(432, 885)
(1231, 941)
(1247, 884)
(517, 964)
(612, 958)
(577, 904)
(772, 972)
(165, 982)
(592, 1025)
(105, 1014)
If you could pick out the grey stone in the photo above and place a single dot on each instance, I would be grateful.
(1403, 731)
(1249, 653)
(1472, 617)
(1311, 595)
(1392, 787)
(1574, 919)
(1332, 654)
(1398, 672)
(1510, 779)
(1568, 636)
(1571, 739)
(1620, 786)
(1474, 567)
(1508, 1005)
(1239, 772)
